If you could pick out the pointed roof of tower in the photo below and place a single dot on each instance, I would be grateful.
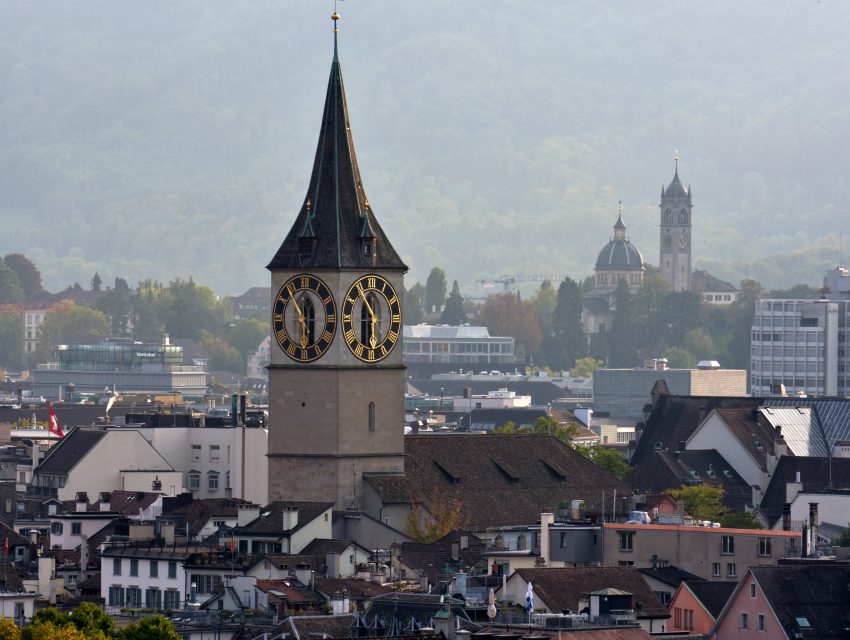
(335, 219)
(676, 188)
(620, 224)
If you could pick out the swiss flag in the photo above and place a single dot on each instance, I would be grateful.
(54, 427)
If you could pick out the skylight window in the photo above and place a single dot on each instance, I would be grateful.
(803, 622)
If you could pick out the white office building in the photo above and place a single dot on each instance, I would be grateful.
(798, 348)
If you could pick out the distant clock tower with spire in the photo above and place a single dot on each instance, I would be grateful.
(675, 233)
(336, 378)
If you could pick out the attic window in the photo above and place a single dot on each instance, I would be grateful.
(507, 470)
(554, 469)
(452, 475)
(306, 248)
(367, 248)
(659, 445)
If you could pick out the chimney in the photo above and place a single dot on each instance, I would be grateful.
(290, 518)
(654, 561)
(247, 513)
(84, 557)
(105, 501)
(813, 529)
(547, 519)
(786, 516)
(82, 502)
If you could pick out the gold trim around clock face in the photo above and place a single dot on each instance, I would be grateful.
(371, 318)
(304, 318)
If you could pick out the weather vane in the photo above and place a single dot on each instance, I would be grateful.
(335, 18)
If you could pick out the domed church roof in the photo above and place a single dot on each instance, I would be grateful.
(619, 254)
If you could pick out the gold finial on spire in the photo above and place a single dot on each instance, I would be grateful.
(676, 156)
(335, 18)
(620, 208)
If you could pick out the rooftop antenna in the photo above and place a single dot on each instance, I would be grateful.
(676, 159)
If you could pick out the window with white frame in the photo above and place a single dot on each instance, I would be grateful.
(194, 481)
(727, 545)
(212, 481)
(196, 453)
(215, 453)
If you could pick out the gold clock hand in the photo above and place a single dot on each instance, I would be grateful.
(302, 322)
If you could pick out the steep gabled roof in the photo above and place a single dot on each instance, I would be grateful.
(499, 480)
(270, 521)
(336, 217)
(814, 476)
(816, 594)
(712, 595)
(670, 575)
(752, 430)
(561, 588)
(69, 451)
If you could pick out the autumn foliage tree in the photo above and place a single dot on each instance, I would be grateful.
(506, 314)
(432, 517)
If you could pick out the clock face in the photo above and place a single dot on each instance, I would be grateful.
(683, 241)
(304, 318)
(371, 318)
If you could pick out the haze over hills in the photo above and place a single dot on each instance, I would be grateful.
(176, 138)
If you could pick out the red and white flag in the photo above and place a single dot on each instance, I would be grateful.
(54, 427)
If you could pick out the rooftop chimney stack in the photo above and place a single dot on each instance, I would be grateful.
(290, 518)
(813, 529)
(82, 502)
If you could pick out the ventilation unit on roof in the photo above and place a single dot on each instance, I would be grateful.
(759, 445)
(727, 473)
(695, 473)
(659, 446)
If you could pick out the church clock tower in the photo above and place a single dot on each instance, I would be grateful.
(336, 378)
(675, 241)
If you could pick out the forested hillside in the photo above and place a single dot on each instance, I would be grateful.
(155, 139)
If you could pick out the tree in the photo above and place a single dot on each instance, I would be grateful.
(623, 340)
(186, 309)
(844, 539)
(10, 288)
(11, 340)
(91, 619)
(679, 313)
(247, 335)
(584, 367)
(116, 303)
(151, 628)
(29, 277)
(453, 313)
(544, 306)
(543, 425)
(679, 358)
(9, 630)
(147, 327)
(607, 459)
(435, 290)
(702, 501)
(431, 518)
(506, 315)
(68, 323)
(222, 356)
(740, 520)
(414, 301)
(567, 342)
(699, 343)
(96, 282)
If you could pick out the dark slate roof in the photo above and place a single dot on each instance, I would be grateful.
(199, 511)
(70, 450)
(499, 479)
(357, 589)
(712, 595)
(818, 593)
(752, 430)
(129, 502)
(430, 559)
(702, 281)
(12, 582)
(674, 419)
(676, 188)
(336, 212)
(561, 588)
(293, 592)
(814, 476)
(324, 546)
(620, 255)
(674, 576)
(270, 521)
(663, 470)
(399, 612)
(68, 415)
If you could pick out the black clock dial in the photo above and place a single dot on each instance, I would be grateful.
(304, 318)
(371, 318)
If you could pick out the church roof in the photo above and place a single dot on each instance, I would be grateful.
(335, 219)
(676, 189)
(619, 253)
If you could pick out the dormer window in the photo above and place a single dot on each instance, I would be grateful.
(367, 248)
(306, 248)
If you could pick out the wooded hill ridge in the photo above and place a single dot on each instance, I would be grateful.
(141, 139)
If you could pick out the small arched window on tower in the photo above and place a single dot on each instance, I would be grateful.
(683, 216)
(668, 217)
(370, 320)
(371, 416)
(309, 312)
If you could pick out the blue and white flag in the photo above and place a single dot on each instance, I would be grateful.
(529, 599)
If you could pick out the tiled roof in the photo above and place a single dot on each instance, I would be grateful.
(270, 521)
(357, 589)
(68, 415)
(674, 419)
(499, 479)
(816, 593)
(596, 304)
(12, 582)
(129, 502)
(712, 595)
(199, 511)
(561, 588)
(702, 281)
(431, 558)
(663, 470)
(288, 591)
(814, 476)
(323, 546)
(69, 451)
(336, 213)
(752, 430)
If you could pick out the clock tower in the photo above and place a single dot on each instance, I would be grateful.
(675, 241)
(336, 378)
